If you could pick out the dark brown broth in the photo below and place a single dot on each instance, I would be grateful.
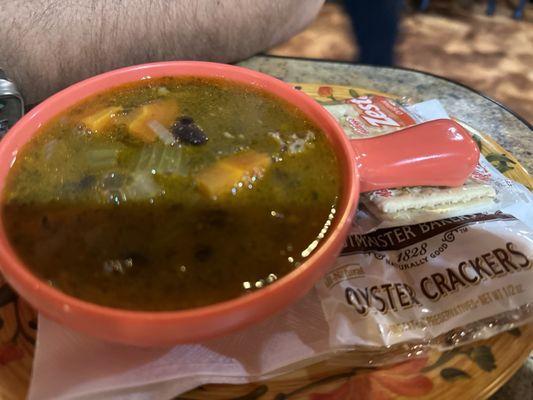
(74, 219)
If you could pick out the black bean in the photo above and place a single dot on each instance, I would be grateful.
(186, 131)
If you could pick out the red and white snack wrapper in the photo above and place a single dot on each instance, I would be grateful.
(370, 116)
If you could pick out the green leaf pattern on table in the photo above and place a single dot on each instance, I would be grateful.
(443, 359)
(353, 92)
(450, 374)
(481, 355)
(500, 161)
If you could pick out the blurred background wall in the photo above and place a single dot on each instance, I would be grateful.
(452, 38)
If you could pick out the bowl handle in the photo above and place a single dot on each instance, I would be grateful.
(434, 153)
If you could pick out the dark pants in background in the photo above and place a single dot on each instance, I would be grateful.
(375, 23)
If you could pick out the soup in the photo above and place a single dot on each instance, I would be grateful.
(171, 193)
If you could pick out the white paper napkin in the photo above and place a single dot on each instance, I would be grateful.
(69, 365)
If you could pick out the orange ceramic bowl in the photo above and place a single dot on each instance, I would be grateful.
(167, 328)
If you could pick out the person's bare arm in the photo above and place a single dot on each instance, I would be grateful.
(45, 45)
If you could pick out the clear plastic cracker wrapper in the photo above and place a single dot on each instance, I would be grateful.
(416, 283)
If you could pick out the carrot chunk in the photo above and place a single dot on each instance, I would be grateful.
(226, 173)
(101, 119)
(163, 111)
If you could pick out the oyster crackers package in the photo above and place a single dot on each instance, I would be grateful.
(431, 265)
(417, 282)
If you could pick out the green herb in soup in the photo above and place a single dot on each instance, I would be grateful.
(171, 193)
